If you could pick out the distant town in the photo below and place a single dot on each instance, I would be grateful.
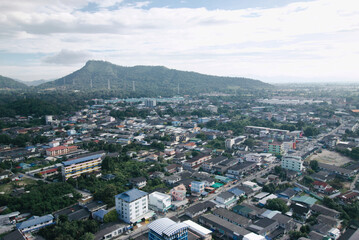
(280, 163)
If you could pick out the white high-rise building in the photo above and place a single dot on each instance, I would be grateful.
(132, 205)
(294, 163)
(229, 143)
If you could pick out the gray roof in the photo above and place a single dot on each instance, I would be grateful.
(226, 195)
(34, 221)
(225, 225)
(231, 216)
(131, 195)
(81, 159)
(324, 210)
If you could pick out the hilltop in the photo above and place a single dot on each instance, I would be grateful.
(147, 79)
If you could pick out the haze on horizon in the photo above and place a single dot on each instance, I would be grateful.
(272, 40)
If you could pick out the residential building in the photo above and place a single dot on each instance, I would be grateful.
(276, 148)
(159, 201)
(232, 217)
(166, 229)
(197, 187)
(111, 231)
(293, 163)
(138, 182)
(132, 205)
(73, 168)
(223, 227)
(35, 223)
(263, 226)
(195, 162)
(178, 193)
(199, 208)
(226, 199)
(60, 150)
(199, 230)
(150, 103)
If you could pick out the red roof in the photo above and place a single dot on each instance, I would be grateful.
(49, 171)
(319, 183)
(56, 148)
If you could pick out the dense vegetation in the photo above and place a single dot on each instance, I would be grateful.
(74, 230)
(8, 83)
(147, 80)
(42, 198)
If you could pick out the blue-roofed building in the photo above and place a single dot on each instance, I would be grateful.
(166, 229)
(88, 163)
(35, 223)
(132, 205)
(99, 215)
(239, 193)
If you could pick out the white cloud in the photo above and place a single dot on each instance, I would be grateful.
(68, 57)
(302, 39)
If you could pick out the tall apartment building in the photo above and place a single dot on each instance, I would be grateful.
(294, 163)
(73, 168)
(150, 103)
(132, 205)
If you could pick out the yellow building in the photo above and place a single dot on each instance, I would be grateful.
(73, 168)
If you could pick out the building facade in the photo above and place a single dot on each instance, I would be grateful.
(293, 163)
(132, 205)
(166, 229)
(73, 168)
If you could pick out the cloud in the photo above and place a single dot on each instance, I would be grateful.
(68, 57)
(312, 38)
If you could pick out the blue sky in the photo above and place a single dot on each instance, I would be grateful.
(270, 40)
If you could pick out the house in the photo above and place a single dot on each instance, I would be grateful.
(159, 202)
(199, 208)
(252, 185)
(306, 200)
(348, 196)
(248, 211)
(226, 199)
(285, 222)
(199, 230)
(138, 182)
(195, 162)
(302, 211)
(173, 168)
(172, 179)
(197, 187)
(35, 223)
(207, 166)
(132, 205)
(316, 208)
(232, 217)
(111, 231)
(5, 174)
(178, 193)
(263, 226)
(99, 215)
(287, 194)
(222, 227)
(237, 192)
(14, 235)
(240, 169)
(339, 171)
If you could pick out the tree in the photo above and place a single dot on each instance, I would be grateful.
(277, 204)
(111, 216)
(314, 165)
(87, 236)
(249, 142)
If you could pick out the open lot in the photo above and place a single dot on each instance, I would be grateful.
(330, 157)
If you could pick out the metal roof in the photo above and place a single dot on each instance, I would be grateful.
(131, 195)
(82, 159)
(166, 226)
(34, 221)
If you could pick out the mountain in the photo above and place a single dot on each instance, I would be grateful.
(9, 83)
(35, 82)
(148, 79)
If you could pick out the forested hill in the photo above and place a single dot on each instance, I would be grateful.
(8, 83)
(148, 79)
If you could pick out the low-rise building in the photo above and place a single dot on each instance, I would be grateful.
(73, 168)
(166, 229)
(60, 150)
(159, 201)
(35, 223)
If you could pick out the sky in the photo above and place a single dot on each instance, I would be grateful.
(270, 40)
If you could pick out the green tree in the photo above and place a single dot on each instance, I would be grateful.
(111, 216)
(277, 204)
(314, 165)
